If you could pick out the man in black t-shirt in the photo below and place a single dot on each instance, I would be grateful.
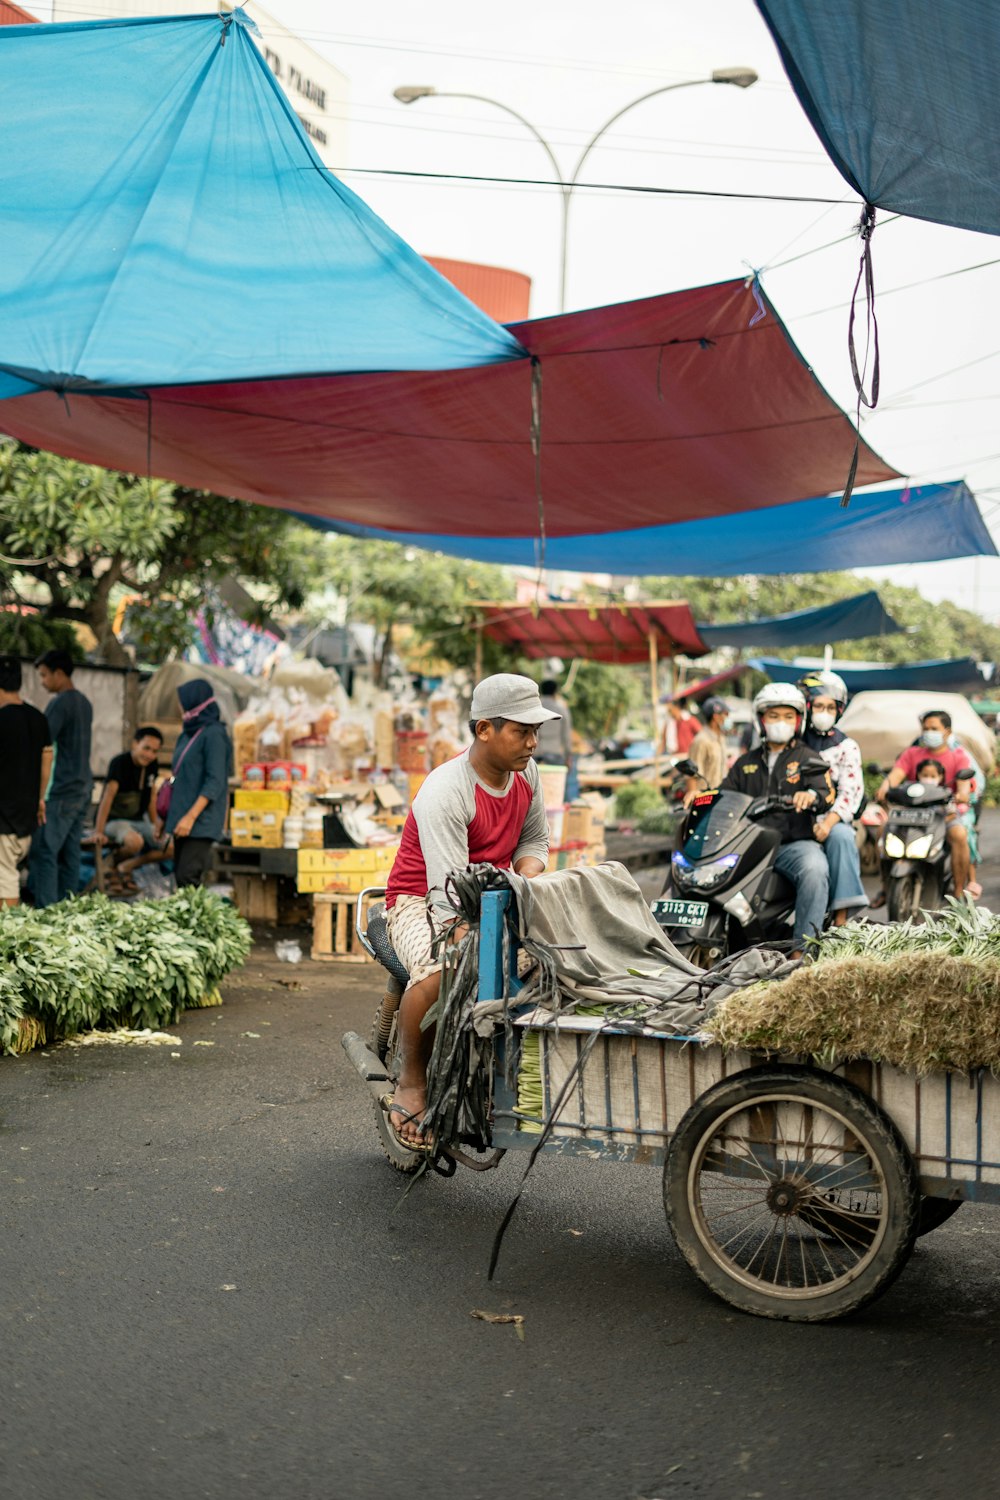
(126, 816)
(26, 758)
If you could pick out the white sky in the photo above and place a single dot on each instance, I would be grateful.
(567, 65)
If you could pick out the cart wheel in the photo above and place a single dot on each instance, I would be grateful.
(934, 1212)
(791, 1194)
(385, 1035)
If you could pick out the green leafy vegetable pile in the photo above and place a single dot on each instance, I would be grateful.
(635, 799)
(920, 995)
(98, 963)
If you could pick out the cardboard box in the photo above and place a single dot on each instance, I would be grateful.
(246, 800)
(250, 829)
(347, 861)
(578, 823)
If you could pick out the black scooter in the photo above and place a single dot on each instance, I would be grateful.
(916, 856)
(723, 893)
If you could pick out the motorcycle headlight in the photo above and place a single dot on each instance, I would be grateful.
(703, 877)
(920, 848)
(894, 846)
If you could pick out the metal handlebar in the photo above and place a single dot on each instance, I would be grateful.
(369, 890)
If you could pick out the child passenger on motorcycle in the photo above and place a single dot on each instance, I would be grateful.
(935, 729)
(784, 766)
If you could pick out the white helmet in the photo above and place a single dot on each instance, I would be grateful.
(778, 695)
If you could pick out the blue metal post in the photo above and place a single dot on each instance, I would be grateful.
(491, 919)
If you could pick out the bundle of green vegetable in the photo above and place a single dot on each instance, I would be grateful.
(635, 799)
(922, 996)
(97, 963)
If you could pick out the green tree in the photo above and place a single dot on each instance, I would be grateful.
(388, 585)
(76, 538)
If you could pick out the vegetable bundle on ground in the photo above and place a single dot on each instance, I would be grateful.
(922, 996)
(92, 962)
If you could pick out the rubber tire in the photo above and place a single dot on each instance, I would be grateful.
(867, 1119)
(401, 1160)
(900, 905)
(934, 1212)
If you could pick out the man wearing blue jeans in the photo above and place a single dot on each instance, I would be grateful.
(55, 849)
(784, 766)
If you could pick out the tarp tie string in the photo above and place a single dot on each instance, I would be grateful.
(536, 450)
(866, 228)
(753, 286)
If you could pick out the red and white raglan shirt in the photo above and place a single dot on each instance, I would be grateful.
(457, 820)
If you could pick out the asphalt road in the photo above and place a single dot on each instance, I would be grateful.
(212, 1288)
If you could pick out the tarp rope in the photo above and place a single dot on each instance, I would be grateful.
(866, 228)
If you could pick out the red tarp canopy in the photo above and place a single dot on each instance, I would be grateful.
(605, 632)
(668, 409)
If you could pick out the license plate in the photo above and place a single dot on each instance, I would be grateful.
(680, 913)
(916, 818)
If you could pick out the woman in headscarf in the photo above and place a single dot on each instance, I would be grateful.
(202, 764)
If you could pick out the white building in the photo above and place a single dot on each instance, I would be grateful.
(317, 91)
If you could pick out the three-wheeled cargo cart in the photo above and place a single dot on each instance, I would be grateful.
(793, 1190)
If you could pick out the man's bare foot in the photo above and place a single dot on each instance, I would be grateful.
(406, 1113)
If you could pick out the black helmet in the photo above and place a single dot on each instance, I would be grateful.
(712, 706)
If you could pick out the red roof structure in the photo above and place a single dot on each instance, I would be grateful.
(13, 15)
(597, 632)
(672, 408)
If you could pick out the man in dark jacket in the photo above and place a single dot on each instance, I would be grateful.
(784, 766)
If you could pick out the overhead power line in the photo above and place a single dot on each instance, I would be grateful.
(600, 187)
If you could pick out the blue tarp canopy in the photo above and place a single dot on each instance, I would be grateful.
(958, 674)
(920, 523)
(848, 620)
(903, 95)
(166, 221)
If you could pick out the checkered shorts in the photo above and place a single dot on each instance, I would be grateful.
(411, 934)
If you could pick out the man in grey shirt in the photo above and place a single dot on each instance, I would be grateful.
(55, 849)
(483, 807)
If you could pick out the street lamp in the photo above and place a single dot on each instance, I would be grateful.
(741, 78)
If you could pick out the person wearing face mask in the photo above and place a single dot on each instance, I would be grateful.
(935, 729)
(826, 698)
(784, 766)
(709, 751)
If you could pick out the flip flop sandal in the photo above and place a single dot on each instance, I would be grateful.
(974, 889)
(389, 1108)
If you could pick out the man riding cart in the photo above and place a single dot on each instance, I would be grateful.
(483, 807)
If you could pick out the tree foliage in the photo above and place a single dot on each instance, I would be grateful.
(389, 585)
(76, 538)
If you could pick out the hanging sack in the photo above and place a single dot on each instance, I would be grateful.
(166, 791)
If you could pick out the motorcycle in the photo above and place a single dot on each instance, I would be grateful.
(916, 855)
(723, 893)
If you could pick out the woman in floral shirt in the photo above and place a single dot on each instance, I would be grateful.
(826, 696)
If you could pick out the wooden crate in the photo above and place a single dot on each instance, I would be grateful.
(256, 897)
(335, 939)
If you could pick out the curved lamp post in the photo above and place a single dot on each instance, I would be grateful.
(741, 78)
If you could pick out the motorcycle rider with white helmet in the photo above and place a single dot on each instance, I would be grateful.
(826, 698)
(784, 766)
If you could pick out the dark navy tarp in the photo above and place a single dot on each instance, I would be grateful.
(166, 221)
(920, 523)
(848, 620)
(958, 674)
(903, 95)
